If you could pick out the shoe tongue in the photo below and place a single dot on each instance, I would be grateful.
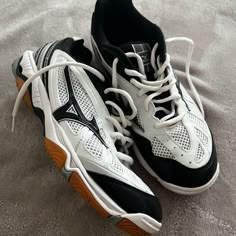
(143, 49)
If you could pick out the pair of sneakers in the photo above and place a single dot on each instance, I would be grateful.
(91, 121)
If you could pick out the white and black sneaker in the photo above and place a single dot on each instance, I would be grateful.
(74, 102)
(173, 141)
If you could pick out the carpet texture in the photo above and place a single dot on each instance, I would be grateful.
(35, 199)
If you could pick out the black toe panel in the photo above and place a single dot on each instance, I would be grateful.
(172, 171)
(129, 198)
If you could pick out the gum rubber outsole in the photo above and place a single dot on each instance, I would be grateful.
(59, 158)
(131, 228)
(26, 98)
(58, 155)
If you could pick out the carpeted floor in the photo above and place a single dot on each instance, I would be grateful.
(36, 200)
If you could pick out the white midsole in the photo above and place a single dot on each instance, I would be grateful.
(172, 187)
(55, 133)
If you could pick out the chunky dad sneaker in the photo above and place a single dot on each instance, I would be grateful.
(72, 99)
(173, 141)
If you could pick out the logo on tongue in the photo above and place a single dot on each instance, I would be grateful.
(144, 51)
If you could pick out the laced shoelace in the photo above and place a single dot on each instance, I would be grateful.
(120, 122)
(163, 82)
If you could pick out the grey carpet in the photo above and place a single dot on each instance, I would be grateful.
(35, 199)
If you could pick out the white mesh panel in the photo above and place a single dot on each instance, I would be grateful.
(82, 98)
(195, 119)
(160, 150)
(116, 165)
(202, 136)
(180, 135)
(94, 146)
(61, 86)
(75, 126)
(199, 154)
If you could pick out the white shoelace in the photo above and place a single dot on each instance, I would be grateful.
(120, 122)
(161, 84)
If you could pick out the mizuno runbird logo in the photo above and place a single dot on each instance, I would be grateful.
(72, 111)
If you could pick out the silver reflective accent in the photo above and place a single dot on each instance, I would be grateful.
(66, 174)
(115, 219)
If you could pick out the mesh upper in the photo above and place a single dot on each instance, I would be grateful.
(180, 135)
(202, 136)
(89, 142)
(94, 146)
(195, 119)
(75, 126)
(160, 150)
(116, 165)
(82, 98)
(199, 154)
